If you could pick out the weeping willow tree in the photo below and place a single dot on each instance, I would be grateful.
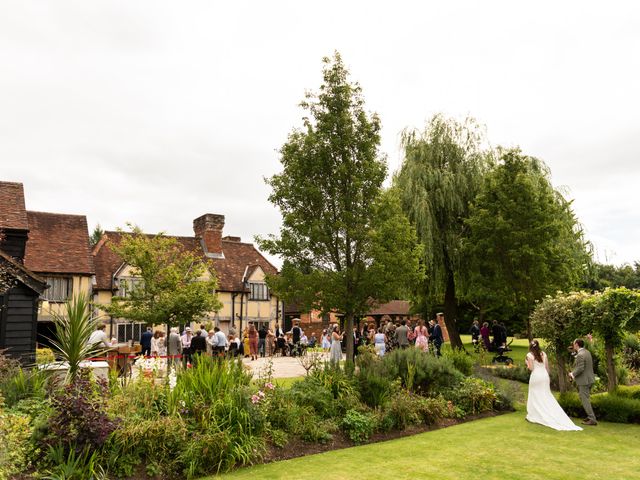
(440, 175)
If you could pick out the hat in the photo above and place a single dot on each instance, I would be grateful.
(188, 329)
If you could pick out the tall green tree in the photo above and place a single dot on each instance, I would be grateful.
(440, 175)
(175, 286)
(96, 235)
(343, 240)
(524, 241)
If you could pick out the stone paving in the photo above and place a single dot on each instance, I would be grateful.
(283, 367)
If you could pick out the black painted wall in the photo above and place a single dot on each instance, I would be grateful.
(18, 323)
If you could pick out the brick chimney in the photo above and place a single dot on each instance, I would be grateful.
(208, 230)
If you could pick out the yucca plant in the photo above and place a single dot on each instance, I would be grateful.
(72, 332)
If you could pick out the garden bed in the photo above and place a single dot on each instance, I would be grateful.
(340, 440)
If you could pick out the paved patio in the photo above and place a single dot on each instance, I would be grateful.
(283, 367)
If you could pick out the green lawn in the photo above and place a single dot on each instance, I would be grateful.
(501, 448)
(519, 346)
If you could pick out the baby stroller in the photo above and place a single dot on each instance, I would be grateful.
(501, 357)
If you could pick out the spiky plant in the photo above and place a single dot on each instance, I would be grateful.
(72, 332)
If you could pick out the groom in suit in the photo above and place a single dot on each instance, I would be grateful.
(583, 376)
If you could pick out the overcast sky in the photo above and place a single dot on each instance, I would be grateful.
(157, 112)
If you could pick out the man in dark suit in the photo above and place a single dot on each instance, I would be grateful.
(436, 336)
(199, 343)
(145, 342)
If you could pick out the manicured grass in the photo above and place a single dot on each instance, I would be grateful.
(500, 448)
(286, 382)
(520, 347)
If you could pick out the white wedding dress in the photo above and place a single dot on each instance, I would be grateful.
(542, 407)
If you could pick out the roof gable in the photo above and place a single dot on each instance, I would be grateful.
(14, 269)
(13, 214)
(58, 243)
(230, 270)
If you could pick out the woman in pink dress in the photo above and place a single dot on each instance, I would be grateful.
(422, 336)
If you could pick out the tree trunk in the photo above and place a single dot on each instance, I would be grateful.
(529, 332)
(451, 311)
(348, 336)
(563, 383)
(612, 378)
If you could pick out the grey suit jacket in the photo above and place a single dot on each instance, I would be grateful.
(583, 368)
(174, 345)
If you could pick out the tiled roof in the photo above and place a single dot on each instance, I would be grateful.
(394, 307)
(237, 256)
(13, 214)
(58, 243)
(15, 269)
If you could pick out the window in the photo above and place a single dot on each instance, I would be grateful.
(130, 331)
(127, 285)
(259, 291)
(60, 289)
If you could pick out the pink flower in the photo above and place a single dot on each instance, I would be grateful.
(261, 394)
(269, 386)
(255, 399)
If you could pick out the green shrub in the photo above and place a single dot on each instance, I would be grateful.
(15, 447)
(519, 373)
(217, 451)
(631, 351)
(279, 438)
(44, 356)
(153, 440)
(473, 395)
(309, 392)
(9, 367)
(31, 383)
(430, 374)
(374, 389)
(358, 426)
(433, 409)
(462, 361)
(404, 409)
(607, 407)
(143, 398)
(72, 465)
(628, 391)
(316, 430)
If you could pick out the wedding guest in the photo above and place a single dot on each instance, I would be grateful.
(221, 342)
(438, 340)
(326, 340)
(402, 335)
(162, 345)
(262, 340)
(155, 344)
(253, 341)
(335, 353)
(475, 335)
(421, 335)
(174, 345)
(245, 342)
(270, 342)
(212, 342)
(186, 345)
(484, 333)
(99, 337)
(145, 342)
(379, 342)
(199, 343)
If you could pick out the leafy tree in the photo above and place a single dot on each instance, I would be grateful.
(343, 241)
(96, 235)
(440, 175)
(524, 242)
(559, 320)
(602, 276)
(176, 286)
(612, 313)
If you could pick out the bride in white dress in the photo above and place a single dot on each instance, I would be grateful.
(542, 406)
